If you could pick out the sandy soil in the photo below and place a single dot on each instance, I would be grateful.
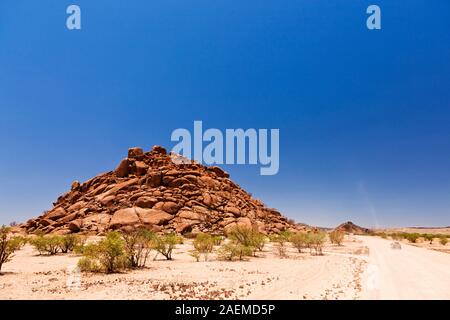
(335, 275)
(363, 268)
(443, 230)
(409, 273)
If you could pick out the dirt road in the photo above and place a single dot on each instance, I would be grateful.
(409, 273)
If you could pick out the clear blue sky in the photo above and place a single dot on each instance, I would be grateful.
(364, 116)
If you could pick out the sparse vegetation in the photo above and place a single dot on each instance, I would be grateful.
(138, 245)
(299, 240)
(165, 244)
(108, 255)
(203, 245)
(336, 237)
(443, 241)
(315, 241)
(47, 245)
(68, 243)
(8, 245)
(217, 240)
(231, 251)
(247, 237)
(280, 241)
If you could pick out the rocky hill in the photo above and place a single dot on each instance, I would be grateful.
(350, 227)
(148, 189)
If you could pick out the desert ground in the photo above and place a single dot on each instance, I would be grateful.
(362, 268)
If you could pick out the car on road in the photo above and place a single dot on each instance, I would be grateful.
(396, 245)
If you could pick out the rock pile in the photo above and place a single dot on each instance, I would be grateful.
(350, 227)
(148, 189)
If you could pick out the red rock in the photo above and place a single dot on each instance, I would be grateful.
(75, 225)
(124, 217)
(122, 169)
(56, 214)
(135, 153)
(152, 216)
(146, 202)
(171, 207)
(141, 168)
(159, 149)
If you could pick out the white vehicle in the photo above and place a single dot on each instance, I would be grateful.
(396, 245)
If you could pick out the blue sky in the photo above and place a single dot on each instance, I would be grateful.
(363, 115)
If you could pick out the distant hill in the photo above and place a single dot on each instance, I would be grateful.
(350, 227)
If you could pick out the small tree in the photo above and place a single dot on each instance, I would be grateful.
(316, 240)
(203, 245)
(8, 245)
(138, 245)
(231, 251)
(49, 245)
(337, 236)
(108, 255)
(299, 241)
(428, 237)
(242, 234)
(69, 242)
(165, 244)
(280, 242)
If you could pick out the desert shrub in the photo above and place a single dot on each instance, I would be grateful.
(247, 237)
(203, 245)
(315, 241)
(164, 244)
(280, 241)
(195, 254)
(69, 242)
(242, 235)
(8, 245)
(138, 245)
(383, 235)
(258, 241)
(232, 250)
(108, 255)
(429, 237)
(396, 236)
(299, 241)
(412, 237)
(443, 241)
(337, 236)
(217, 240)
(49, 245)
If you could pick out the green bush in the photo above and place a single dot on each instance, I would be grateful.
(315, 241)
(231, 251)
(412, 237)
(217, 240)
(280, 241)
(164, 244)
(248, 238)
(443, 241)
(299, 241)
(242, 235)
(108, 255)
(8, 245)
(49, 245)
(138, 245)
(203, 245)
(69, 242)
(337, 236)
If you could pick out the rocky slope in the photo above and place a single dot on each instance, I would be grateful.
(148, 189)
(350, 227)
